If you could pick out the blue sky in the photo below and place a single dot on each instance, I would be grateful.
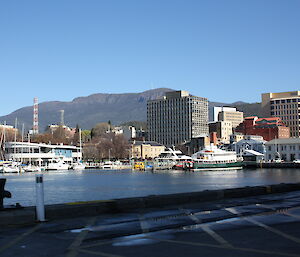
(225, 50)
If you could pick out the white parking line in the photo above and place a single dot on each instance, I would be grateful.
(276, 231)
(73, 251)
(206, 228)
(20, 238)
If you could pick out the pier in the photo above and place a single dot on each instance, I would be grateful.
(251, 221)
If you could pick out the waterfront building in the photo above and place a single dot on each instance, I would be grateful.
(254, 143)
(177, 118)
(146, 149)
(284, 105)
(287, 149)
(41, 154)
(268, 128)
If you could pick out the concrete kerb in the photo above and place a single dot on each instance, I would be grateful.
(91, 208)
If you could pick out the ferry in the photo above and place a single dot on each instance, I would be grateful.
(213, 158)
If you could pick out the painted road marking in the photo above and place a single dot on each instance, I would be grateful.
(276, 231)
(206, 228)
(226, 247)
(73, 248)
(20, 238)
(144, 224)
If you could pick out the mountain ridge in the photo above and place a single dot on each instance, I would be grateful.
(87, 111)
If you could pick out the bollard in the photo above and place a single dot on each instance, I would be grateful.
(3, 192)
(40, 206)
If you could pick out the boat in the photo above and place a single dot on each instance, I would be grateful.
(11, 167)
(108, 165)
(32, 168)
(57, 164)
(213, 158)
(77, 166)
(170, 158)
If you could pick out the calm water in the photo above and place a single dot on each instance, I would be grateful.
(70, 186)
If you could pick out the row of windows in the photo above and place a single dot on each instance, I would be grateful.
(282, 101)
(285, 106)
(284, 147)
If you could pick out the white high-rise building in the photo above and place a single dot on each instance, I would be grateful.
(177, 118)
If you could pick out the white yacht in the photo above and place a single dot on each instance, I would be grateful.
(172, 155)
(11, 167)
(57, 164)
(108, 165)
(32, 168)
(77, 166)
(170, 158)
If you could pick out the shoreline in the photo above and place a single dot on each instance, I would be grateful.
(26, 215)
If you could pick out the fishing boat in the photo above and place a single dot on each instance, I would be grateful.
(213, 158)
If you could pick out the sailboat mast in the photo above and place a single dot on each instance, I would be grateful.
(80, 144)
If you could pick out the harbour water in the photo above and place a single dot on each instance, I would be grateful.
(88, 185)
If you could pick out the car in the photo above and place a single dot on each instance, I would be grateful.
(277, 160)
(296, 161)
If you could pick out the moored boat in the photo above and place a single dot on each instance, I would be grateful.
(169, 158)
(57, 164)
(213, 158)
(77, 166)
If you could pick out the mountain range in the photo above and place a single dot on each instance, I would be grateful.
(90, 110)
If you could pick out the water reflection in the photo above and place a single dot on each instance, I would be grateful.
(88, 185)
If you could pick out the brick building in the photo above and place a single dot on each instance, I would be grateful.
(268, 128)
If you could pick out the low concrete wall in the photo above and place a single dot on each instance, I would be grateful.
(79, 209)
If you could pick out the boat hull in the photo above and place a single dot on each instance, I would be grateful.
(217, 166)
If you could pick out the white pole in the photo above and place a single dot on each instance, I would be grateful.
(22, 143)
(40, 206)
(80, 145)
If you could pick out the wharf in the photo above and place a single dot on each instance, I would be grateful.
(271, 165)
(244, 222)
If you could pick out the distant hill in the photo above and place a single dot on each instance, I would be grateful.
(249, 109)
(90, 110)
(118, 108)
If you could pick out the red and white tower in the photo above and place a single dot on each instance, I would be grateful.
(35, 128)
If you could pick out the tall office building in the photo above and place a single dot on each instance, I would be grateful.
(177, 118)
(285, 105)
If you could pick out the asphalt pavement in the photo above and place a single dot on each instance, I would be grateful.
(266, 225)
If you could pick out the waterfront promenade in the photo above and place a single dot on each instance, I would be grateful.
(261, 225)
